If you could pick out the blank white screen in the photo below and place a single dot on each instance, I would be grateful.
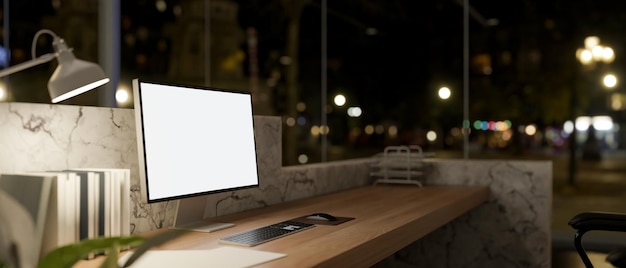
(196, 140)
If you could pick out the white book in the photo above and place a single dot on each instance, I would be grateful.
(103, 214)
(125, 202)
(55, 223)
(74, 198)
(93, 189)
(117, 199)
(89, 199)
(117, 204)
(114, 205)
(61, 223)
(24, 202)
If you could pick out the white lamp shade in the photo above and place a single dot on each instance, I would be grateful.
(73, 77)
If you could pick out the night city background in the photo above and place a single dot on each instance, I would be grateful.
(387, 59)
(349, 77)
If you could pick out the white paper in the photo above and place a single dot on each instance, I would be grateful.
(224, 257)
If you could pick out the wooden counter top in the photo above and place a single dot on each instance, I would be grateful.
(387, 218)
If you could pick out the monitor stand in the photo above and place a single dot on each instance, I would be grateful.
(190, 216)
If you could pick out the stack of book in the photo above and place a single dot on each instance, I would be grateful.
(71, 205)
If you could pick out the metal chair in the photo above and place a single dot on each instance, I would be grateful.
(599, 221)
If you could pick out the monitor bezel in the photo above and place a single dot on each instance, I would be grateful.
(142, 165)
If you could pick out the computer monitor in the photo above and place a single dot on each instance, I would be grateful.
(193, 141)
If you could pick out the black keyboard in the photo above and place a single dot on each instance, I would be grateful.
(266, 233)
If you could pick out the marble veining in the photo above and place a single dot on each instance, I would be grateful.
(511, 230)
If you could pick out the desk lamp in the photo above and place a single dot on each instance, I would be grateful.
(71, 77)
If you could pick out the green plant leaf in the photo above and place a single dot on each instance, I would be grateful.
(111, 259)
(67, 256)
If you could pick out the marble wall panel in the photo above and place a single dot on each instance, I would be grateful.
(50, 137)
(513, 229)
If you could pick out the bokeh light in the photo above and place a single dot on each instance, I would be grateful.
(301, 121)
(392, 131)
(301, 107)
(502, 125)
(585, 56)
(379, 129)
(160, 5)
(444, 93)
(369, 129)
(568, 127)
(602, 122)
(319, 130)
(608, 55)
(591, 42)
(122, 96)
(354, 111)
(315, 131)
(431, 136)
(290, 121)
(618, 101)
(609, 81)
(530, 130)
(340, 100)
(303, 159)
(583, 123)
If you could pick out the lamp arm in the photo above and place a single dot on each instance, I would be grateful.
(33, 49)
(28, 64)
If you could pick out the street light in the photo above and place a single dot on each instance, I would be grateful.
(609, 81)
(339, 100)
(444, 93)
(592, 54)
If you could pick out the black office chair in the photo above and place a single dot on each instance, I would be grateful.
(599, 221)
